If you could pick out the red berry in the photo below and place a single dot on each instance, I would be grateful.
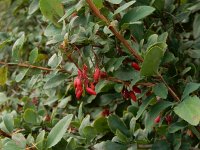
(79, 93)
(96, 74)
(103, 74)
(85, 67)
(136, 89)
(92, 85)
(77, 82)
(135, 66)
(168, 118)
(157, 120)
(125, 93)
(90, 91)
(133, 97)
(105, 112)
(80, 74)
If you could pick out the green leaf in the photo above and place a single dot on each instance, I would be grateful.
(17, 47)
(3, 75)
(8, 122)
(64, 101)
(189, 88)
(152, 59)
(68, 13)
(21, 75)
(40, 140)
(123, 7)
(115, 123)
(98, 3)
(114, 1)
(137, 13)
(11, 145)
(154, 112)
(194, 53)
(89, 132)
(52, 30)
(196, 27)
(33, 55)
(177, 126)
(52, 10)
(132, 124)
(108, 145)
(55, 81)
(101, 125)
(189, 110)
(33, 7)
(144, 105)
(125, 73)
(85, 122)
(114, 63)
(80, 112)
(160, 90)
(54, 61)
(106, 99)
(4, 43)
(121, 136)
(3, 98)
(30, 116)
(161, 144)
(19, 140)
(58, 131)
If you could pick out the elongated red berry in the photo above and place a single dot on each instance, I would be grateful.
(79, 93)
(77, 83)
(135, 66)
(96, 74)
(90, 91)
(132, 96)
(136, 89)
(157, 120)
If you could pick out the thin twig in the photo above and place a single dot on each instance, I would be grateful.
(169, 88)
(25, 65)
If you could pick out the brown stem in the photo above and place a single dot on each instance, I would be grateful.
(32, 66)
(169, 88)
(4, 134)
(115, 32)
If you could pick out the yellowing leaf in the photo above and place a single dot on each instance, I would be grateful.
(3, 75)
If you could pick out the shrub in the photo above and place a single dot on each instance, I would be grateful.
(99, 74)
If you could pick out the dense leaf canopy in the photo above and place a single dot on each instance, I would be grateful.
(99, 74)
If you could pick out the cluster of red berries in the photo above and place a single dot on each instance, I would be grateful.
(131, 94)
(168, 119)
(82, 81)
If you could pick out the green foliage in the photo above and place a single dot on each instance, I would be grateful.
(99, 74)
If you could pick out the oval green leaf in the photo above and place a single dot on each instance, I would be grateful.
(52, 10)
(58, 131)
(152, 59)
(189, 110)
